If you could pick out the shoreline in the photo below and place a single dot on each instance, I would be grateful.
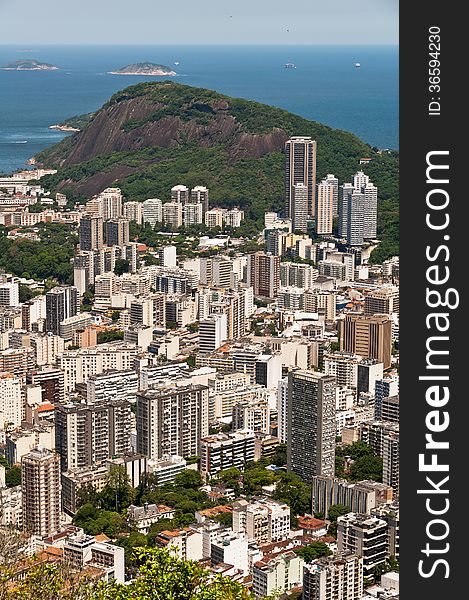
(153, 74)
(64, 128)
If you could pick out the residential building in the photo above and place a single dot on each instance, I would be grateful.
(277, 573)
(91, 232)
(311, 424)
(152, 211)
(172, 421)
(116, 232)
(133, 211)
(172, 214)
(222, 451)
(367, 336)
(142, 518)
(212, 332)
(327, 192)
(336, 577)
(361, 497)
(366, 537)
(40, 484)
(86, 434)
(82, 551)
(300, 168)
(199, 195)
(61, 303)
(11, 404)
(262, 519)
(263, 274)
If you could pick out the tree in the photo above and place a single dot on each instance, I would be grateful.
(367, 467)
(335, 511)
(87, 494)
(117, 492)
(294, 492)
(313, 551)
(280, 455)
(13, 476)
(188, 479)
(162, 576)
(121, 266)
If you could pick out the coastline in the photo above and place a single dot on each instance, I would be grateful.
(152, 74)
(64, 128)
(29, 69)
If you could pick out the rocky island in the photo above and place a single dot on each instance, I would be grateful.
(28, 65)
(145, 68)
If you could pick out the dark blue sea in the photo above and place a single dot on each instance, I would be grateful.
(325, 86)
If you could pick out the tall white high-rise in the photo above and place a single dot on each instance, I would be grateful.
(180, 193)
(213, 331)
(300, 200)
(40, 485)
(370, 211)
(112, 203)
(325, 205)
(355, 219)
(360, 180)
(152, 211)
(133, 211)
(199, 195)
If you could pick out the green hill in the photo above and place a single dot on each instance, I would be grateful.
(152, 136)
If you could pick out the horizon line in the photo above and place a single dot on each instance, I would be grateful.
(389, 45)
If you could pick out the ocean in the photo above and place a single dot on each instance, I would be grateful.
(325, 86)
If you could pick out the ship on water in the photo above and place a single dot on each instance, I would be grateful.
(290, 65)
(357, 65)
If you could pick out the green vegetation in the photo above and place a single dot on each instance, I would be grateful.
(111, 335)
(12, 473)
(336, 511)
(78, 121)
(47, 258)
(313, 551)
(253, 182)
(159, 575)
(365, 465)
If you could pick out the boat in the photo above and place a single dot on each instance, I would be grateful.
(357, 65)
(290, 66)
(176, 63)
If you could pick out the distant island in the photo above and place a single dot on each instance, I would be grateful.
(145, 68)
(28, 65)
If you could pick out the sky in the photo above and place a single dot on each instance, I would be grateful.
(289, 22)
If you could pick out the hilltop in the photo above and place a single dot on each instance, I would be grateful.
(28, 65)
(144, 68)
(154, 135)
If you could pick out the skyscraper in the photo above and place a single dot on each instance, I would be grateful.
(116, 232)
(360, 180)
(91, 232)
(355, 219)
(311, 424)
(336, 577)
(199, 194)
(300, 167)
(180, 193)
(172, 421)
(112, 203)
(152, 211)
(212, 332)
(263, 274)
(61, 303)
(370, 211)
(86, 434)
(300, 207)
(367, 336)
(326, 196)
(40, 485)
(345, 191)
